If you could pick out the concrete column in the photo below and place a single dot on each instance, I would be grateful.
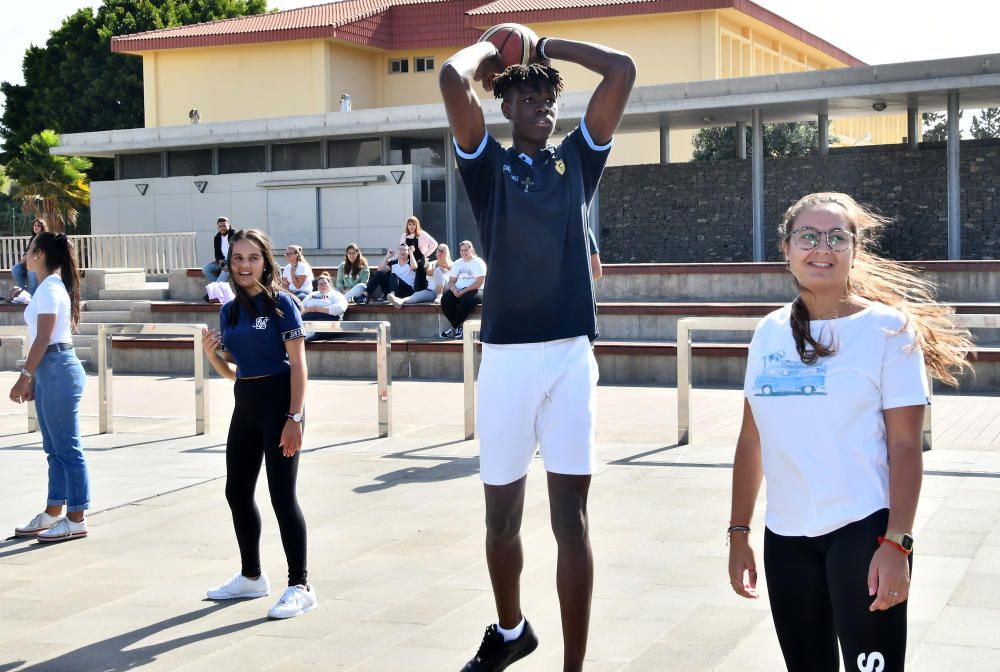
(594, 216)
(912, 128)
(824, 134)
(954, 196)
(664, 143)
(741, 140)
(757, 182)
(450, 192)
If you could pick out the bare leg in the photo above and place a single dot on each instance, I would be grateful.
(575, 568)
(504, 555)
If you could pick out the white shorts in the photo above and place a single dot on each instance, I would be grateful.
(533, 394)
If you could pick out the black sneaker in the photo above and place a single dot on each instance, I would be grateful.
(495, 654)
(361, 300)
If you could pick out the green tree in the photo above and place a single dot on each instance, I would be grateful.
(4, 182)
(52, 187)
(936, 126)
(75, 83)
(986, 124)
(780, 140)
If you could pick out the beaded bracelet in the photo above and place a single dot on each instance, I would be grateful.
(736, 528)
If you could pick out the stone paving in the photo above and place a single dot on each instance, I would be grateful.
(396, 542)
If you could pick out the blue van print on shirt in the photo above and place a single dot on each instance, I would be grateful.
(781, 376)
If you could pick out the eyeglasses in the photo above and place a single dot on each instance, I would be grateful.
(807, 238)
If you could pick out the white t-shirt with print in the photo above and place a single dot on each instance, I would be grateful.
(466, 272)
(50, 298)
(405, 273)
(302, 268)
(822, 429)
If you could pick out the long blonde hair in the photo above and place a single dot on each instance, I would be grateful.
(885, 281)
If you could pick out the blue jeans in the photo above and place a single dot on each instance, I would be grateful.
(59, 381)
(24, 278)
(213, 272)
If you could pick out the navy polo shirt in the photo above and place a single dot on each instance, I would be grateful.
(536, 237)
(257, 342)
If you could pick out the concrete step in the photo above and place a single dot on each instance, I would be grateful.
(108, 304)
(84, 340)
(92, 316)
(159, 291)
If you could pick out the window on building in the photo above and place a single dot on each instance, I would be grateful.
(432, 191)
(423, 64)
(399, 65)
(295, 156)
(348, 153)
(418, 151)
(249, 159)
(189, 162)
(138, 166)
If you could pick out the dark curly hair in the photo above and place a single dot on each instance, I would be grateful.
(533, 76)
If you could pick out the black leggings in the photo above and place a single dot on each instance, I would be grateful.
(388, 282)
(818, 588)
(458, 308)
(254, 434)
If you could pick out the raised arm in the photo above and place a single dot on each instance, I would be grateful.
(617, 69)
(465, 115)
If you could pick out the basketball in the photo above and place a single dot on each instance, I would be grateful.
(513, 41)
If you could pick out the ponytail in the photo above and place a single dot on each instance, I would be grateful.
(60, 254)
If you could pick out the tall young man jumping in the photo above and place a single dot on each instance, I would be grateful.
(538, 378)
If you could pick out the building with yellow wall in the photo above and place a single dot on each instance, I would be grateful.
(244, 116)
(299, 62)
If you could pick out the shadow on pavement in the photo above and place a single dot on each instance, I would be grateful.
(638, 461)
(447, 468)
(110, 655)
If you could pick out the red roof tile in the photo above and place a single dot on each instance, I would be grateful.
(415, 24)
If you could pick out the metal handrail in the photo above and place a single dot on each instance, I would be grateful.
(21, 331)
(470, 331)
(107, 331)
(686, 324)
(383, 353)
(157, 253)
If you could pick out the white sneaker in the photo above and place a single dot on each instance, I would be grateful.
(64, 530)
(296, 600)
(396, 301)
(448, 333)
(39, 523)
(240, 587)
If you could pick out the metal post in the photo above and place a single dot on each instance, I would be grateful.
(757, 185)
(912, 128)
(450, 192)
(824, 134)
(664, 143)
(954, 197)
(105, 402)
(469, 375)
(201, 405)
(383, 348)
(683, 383)
(741, 140)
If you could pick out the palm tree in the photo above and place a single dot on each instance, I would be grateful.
(51, 187)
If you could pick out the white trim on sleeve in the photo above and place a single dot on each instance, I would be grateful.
(475, 154)
(590, 140)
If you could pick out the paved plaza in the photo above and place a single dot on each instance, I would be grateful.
(396, 542)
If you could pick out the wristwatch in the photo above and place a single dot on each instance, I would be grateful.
(294, 417)
(904, 540)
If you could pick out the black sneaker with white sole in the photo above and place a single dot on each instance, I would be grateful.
(495, 654)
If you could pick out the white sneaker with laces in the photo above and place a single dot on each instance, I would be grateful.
(39, 523)
(64, 530)
(296, 600)
(448, 333)
(240, 587)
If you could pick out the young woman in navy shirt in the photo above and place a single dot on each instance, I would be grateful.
(261, 332)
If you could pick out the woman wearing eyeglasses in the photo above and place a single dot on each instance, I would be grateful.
(835, 391)
(297, 276)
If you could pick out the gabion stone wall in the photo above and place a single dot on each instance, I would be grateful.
(701, 211)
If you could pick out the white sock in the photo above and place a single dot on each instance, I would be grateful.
(513, 633)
